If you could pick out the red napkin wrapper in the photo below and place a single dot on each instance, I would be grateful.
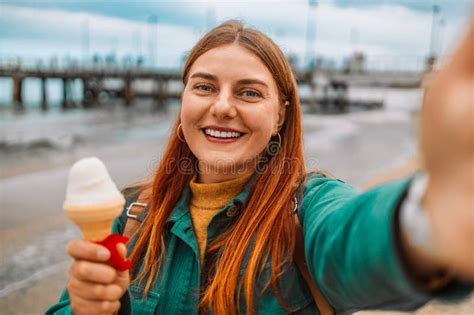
(115, 260)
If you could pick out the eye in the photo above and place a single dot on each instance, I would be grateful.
(203, 87)
(248, 93)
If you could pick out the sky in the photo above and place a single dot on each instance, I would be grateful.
(392, 34)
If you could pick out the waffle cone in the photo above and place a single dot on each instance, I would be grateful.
(95, 221)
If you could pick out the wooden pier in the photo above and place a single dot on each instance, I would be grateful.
(93, 83)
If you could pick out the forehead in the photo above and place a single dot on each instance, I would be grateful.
(232, 62)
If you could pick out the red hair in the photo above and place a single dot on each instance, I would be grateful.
(266, 224)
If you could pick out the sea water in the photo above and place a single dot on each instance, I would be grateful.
(355, 145)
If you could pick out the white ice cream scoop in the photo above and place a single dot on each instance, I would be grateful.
(92, 199)
(90, 184)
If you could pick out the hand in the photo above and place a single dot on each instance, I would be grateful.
(447, 148)
(93, 286)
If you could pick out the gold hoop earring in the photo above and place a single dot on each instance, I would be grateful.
(273, 147)
(181, 138)
(279, 139)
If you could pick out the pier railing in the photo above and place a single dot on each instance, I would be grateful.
(164, 82)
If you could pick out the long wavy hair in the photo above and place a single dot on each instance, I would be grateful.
(264, 230)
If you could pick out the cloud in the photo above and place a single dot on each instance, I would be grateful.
(387, 33)
(393, 32)
(49, 32)
(452, 8)
(180, 12)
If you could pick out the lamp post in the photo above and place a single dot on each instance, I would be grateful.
(432, 53)
(436, 11)
(153, 33)
(310, 33)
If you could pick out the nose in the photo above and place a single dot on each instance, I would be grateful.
(223, 106)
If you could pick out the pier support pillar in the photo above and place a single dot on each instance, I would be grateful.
(18, 93)
(65, 104)
(44, 94)
(313, 103)
(127, 91)
(96, 90)
(87, 93)
(161, 94)
(90, 92)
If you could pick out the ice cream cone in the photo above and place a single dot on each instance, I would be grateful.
(95, 221)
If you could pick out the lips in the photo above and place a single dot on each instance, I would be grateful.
(220, 134)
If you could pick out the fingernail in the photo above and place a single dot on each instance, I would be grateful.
(103, 254)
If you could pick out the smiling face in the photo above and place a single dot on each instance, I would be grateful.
(230, 110)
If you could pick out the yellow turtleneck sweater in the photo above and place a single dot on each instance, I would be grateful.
(207, 200)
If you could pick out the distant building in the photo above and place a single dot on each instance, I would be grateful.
(355, 63)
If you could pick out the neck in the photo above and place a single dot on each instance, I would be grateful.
(211, 176)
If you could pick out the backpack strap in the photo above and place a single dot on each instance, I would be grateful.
(133, 211)
(300, 259)
(299, 255)
(133, 224)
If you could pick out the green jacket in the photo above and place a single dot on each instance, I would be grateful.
(350, 245)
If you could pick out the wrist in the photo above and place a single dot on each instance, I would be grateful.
(419, 247)
(448, 204)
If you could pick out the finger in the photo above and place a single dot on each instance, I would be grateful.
(94, 291)
(123, 277)
(93, 272)
(462, 59)
(122, 250)
(110, 306)
(85, 250)
(83, 306)
(80, 306)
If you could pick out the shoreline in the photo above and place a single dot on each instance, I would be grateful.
(36, 232)
(67, 158)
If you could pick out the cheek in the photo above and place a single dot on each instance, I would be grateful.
(190, 112)
(261, 131)
(261, 124)
(260, 120)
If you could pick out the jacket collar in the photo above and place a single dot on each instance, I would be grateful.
(182, 208)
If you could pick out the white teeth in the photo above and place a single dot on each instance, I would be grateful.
(222, 134)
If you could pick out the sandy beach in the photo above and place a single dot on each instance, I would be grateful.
(33, 229)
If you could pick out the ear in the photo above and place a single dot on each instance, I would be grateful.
(281, 117)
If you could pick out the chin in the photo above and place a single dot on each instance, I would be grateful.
(221, 164)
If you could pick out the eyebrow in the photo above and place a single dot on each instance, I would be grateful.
(212, 77)
(204, 75)
(252, 81)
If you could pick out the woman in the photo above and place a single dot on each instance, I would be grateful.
(218, 234)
